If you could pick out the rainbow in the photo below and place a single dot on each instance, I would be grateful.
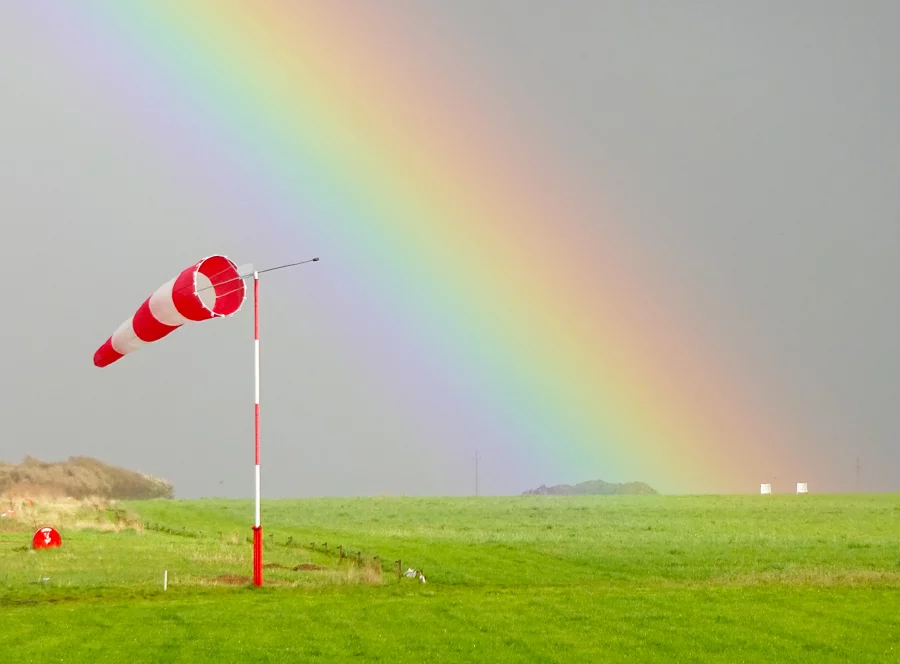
(353, 130)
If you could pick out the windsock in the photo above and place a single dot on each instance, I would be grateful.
(211, 288)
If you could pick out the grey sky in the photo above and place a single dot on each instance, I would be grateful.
(754, 146)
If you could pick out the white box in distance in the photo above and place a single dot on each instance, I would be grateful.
(765, 488)
(802, 488)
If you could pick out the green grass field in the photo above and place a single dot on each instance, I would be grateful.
(778, 578)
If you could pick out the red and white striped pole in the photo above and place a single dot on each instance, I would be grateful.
(257, 528)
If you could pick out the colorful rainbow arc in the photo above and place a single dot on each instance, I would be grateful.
(328, 107)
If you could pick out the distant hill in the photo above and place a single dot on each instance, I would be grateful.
(79, 477)
(593, 488)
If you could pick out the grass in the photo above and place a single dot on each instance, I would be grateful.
(524, 579)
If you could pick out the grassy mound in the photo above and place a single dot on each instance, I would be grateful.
(78, 478)
(594, 488)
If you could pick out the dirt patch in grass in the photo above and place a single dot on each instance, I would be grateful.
(241, 579)
(231, 579)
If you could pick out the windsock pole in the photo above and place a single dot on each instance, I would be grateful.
(257, 528)
(257, 525)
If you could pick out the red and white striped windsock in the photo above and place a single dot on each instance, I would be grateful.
(211, 288)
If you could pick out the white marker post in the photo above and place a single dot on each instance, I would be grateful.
(765, 488)
(802, 487)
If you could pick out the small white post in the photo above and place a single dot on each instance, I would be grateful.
(765, 488)
(802, 487)
(165, 579)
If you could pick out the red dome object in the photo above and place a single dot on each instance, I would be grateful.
(46, 538)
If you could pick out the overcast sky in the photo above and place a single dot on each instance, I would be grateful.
(754, 146)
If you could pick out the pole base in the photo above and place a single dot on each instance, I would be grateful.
(257, 556)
